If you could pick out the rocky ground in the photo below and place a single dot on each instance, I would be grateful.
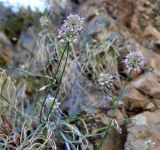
(136, 25)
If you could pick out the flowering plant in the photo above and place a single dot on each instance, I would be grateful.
(70, 29)
(134, 61)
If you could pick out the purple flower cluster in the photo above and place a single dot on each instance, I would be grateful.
(71, 29)
(134, 61)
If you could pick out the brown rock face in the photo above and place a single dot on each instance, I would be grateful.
(124, 20)
(145, 126)
(149, 84)
(114, 141)
(134, 100)
(143, 93)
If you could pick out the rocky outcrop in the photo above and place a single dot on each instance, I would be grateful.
(131, 25)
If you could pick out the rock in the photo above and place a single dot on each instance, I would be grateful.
(25, 48)
(114, 141)
(151, 31)
(6, 49)
(6, 54)
(96, 26)
(27, 41)
(151, 38)
(134, 100)
(157, 103)
(149, 84)
(150, 106)
(143, 127)
(97, 20)
(143, 93)
(118, 115)
(152, 60)
(85, 94)
(103, 117)
(4, 39)
(90, 147)
(88, 11)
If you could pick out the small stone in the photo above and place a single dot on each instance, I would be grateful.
(133, 99)
(151, 107)
(157, 103)
(103, 118)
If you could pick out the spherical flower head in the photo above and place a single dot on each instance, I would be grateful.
(71, 28)
(149, 145)
(106, 80)
(44, 21)
(50, 100)
(134, 61)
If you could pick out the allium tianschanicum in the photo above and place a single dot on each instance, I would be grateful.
(134, 61)
(44, 20)
(50, 100)
(70, 29)
(106, 80)
(149, 145)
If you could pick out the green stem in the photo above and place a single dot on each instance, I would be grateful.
(53, 77)
(113, 113)
(5, 99)
(59, 83)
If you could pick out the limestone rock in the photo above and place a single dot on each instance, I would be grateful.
(149, 84)
(143, 127)
(143, 93)
(114, 141)
(150, 106)
(134, 100)
(26, 41)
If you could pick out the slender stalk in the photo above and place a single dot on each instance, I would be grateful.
(113, 113)
(59, 82)
(53, 77)
(5, 99)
